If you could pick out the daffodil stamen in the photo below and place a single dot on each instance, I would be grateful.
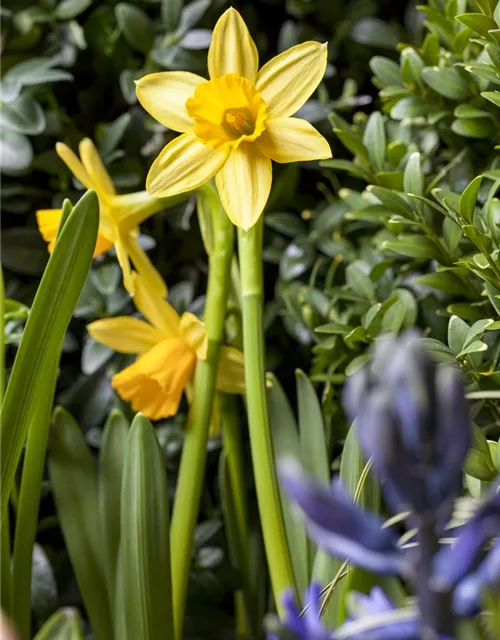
(238, 122)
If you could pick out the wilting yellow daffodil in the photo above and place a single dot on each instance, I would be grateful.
(168, 347)
(234, 124)
(120, 215)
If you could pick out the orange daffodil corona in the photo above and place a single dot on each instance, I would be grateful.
(234, 124)
(120, 215)
(168, 347)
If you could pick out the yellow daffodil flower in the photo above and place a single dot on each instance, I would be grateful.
(120, 215)
(168, 347)
(234, 124)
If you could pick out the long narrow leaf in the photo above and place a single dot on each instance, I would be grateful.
(362, 487)
(144, 541)
(29, 499)
(285, 439)
(50, 314)
(111, 461)
(5, 573)
(65, 624)
(74, 482)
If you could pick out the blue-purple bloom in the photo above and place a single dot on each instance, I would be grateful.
(413, 423)
(336, 524)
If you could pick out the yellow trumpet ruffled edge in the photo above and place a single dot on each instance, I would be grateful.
(168, 348)
(243, 170)
(119, 218)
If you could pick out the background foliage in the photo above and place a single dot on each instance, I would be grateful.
(397, 230)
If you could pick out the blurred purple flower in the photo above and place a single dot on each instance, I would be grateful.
(413, 421)
(465, 566)
(336, 524)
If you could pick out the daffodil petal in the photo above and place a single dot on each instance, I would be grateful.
(194, 334)
(124, 262)
(95, 168)
(287, 81)
(125, 334)
(183, 165)
(231, 371)
(244, 183)
(145, 267)
(73, 163)
(133, 208)
(232, 49)
(155, 308)
(163, 95)
(292, 140)
(155, 382)
(48, 224)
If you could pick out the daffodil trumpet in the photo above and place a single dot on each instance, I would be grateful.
(234, 124)
(120, 215)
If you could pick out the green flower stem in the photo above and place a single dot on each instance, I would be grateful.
(271, 516)
(192, 467)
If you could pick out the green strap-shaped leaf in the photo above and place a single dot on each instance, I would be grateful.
(285, 437)
(111, 461)
(29, 499)
(144, 540)
(64, 624)
(74, 483)
(49, 317)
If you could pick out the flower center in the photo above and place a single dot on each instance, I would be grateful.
(227, 111)
(238, 122)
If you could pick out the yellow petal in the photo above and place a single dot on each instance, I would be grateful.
(124, 262)
(292, 140)
(130, 209)
(194, 334)
(95, 168)
(125, 334)
(73, 163)
(48, 224)
(287, 81)
(155, 308)
(163, 95)
(231, 372)
(244, 183)
(144, 266)
(102, 245)
(232, 49)
(183, 165)
(155, 382)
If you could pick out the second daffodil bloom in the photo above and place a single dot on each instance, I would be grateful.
(120, 215)
(234, 124)
(168, 348)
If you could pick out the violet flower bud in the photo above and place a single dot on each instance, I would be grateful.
(336, 524)
(413, 420)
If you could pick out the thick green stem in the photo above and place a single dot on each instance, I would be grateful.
(271, 516)
(192, 467)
